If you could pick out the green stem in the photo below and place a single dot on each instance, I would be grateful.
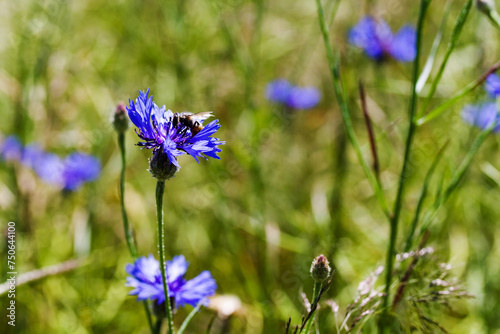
(423, 194)
(346, 117)
(189, 318)
(160, 189)
(455, 35)
(456, 177)
(424, 4)
(129, 235)
(443, 107)
(316, 290)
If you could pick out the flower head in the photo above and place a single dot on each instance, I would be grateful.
(283, 92)
(493, 85)
(377, 40)
(11, 149)
(145, 278)
(482, 115)
(70, 173)
(320, 269)
(160, 130)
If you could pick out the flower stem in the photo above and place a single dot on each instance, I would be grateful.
(334, 64)
(160, 189)
(424, 4)
(316, 290)
(129, 235)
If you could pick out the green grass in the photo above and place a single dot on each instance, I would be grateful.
(285, 189)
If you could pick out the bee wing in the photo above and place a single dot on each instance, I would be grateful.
(201, 116)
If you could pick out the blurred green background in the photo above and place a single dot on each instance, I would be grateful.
(287, 187)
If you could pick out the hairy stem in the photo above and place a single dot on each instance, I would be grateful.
(160, 189)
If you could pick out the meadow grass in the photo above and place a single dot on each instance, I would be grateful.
(288, 187)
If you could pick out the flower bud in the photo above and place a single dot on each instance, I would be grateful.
(120, 119)
(485, 6)
(161, 167)
(320, 269)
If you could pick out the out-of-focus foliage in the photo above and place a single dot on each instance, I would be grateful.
(288, 186)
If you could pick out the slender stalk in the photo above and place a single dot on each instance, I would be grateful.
(423, 194)
(455, 35)
(346, 117)
(316, 290)
(424, 4)
(443, 107)
(456, 177)
(435, 47)
(189, 318)
(129, 235)
(160, 189)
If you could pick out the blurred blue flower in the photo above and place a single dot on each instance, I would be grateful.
(493, 85)
(278, 91)
(156, 127)
(70, 173)
(283, 92)
(377, 40)
(11, 149)
(482, 115)
(303, 98)
(78, 169)
(32, 153)
(145, 278)
(50, 168)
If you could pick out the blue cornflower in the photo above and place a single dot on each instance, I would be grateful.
(283, 92)
(32, 153)
(70, 173)
(145, 278)
(160, 132)
(78, 169)
(303, 98)
(377, 40)
(482, 115)
(493, 85)
(278, 91)
(11, 149)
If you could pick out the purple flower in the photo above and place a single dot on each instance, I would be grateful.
(160, 132)
(282, 92)
(32, 153)
(493, 85)
(303, 98)
(377, 40)
(78, 169)
(50, 168)
(145, 278)
(278, 91)
(482, 115)
(11, 149)
(70, 173)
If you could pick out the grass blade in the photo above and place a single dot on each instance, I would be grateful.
(423, 195)
(455, 35)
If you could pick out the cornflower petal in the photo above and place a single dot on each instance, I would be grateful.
(482, 115)
(159, 130)
(11, 149)
(493, 85)
(145, 277)
(404, 44)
